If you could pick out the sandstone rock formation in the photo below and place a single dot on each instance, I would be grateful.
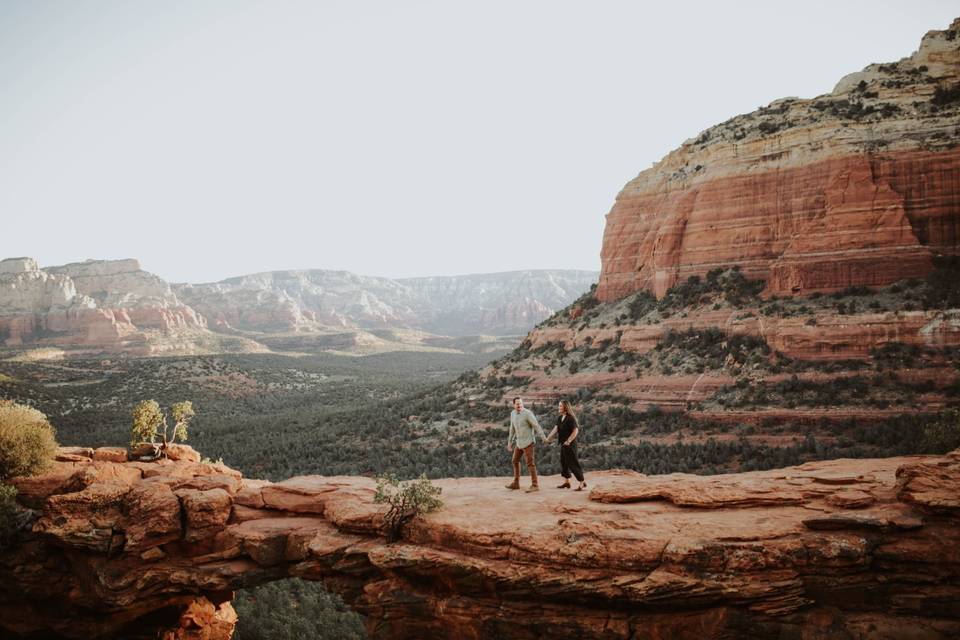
(857, 187)
(814, 200)
(93, 306)
(834, 549)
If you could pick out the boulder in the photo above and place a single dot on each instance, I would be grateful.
(206, 511)
(111, 454)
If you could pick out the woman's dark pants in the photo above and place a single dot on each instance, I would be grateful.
(569, 462)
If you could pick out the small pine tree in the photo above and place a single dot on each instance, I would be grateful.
(149, 421)
(182, 415)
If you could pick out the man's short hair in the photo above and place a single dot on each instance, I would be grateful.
(517, 398)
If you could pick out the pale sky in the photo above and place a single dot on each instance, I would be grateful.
(212, 139)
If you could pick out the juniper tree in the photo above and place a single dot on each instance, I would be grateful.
(407, 501)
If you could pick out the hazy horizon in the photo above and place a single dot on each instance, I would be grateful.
(212, 140)
(253, 273)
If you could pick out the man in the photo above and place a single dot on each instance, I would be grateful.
(523, 426)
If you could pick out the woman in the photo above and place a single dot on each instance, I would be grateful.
(567, 429)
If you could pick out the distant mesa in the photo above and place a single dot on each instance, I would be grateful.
(18, 265)
(114, 306)
(858, 187)
(508, 303)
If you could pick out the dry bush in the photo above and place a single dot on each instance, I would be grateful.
(27, 441)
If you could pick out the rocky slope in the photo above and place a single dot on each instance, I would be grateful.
(481, 304)
(858, 187)
(834, 549)
(713, 362)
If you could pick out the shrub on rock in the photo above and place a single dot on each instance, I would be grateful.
(27, 446)
(407, 501)
(27, 441)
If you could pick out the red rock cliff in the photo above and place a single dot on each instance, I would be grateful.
(834, 549)
(857, 187)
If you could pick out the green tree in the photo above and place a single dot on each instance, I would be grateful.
(407, 501)
(149, 421)
(182, 415)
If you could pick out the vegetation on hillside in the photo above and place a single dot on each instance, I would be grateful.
(942, 435)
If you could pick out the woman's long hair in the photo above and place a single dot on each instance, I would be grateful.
(567, 409)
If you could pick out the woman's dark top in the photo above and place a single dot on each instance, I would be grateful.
(565, 426)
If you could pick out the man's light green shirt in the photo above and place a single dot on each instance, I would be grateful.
(523, 425)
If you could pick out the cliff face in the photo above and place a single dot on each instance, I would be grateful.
(835, 549)
(859, 187)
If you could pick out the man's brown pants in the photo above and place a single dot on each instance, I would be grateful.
(527, 454)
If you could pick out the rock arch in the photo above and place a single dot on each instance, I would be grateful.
(833, 547)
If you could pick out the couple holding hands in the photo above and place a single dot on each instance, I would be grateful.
(520, 439)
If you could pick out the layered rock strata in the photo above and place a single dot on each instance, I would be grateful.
(817, 339)
(838, 549)
(859, 187)
(830, 337)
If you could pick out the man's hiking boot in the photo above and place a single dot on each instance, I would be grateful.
(513, 485)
